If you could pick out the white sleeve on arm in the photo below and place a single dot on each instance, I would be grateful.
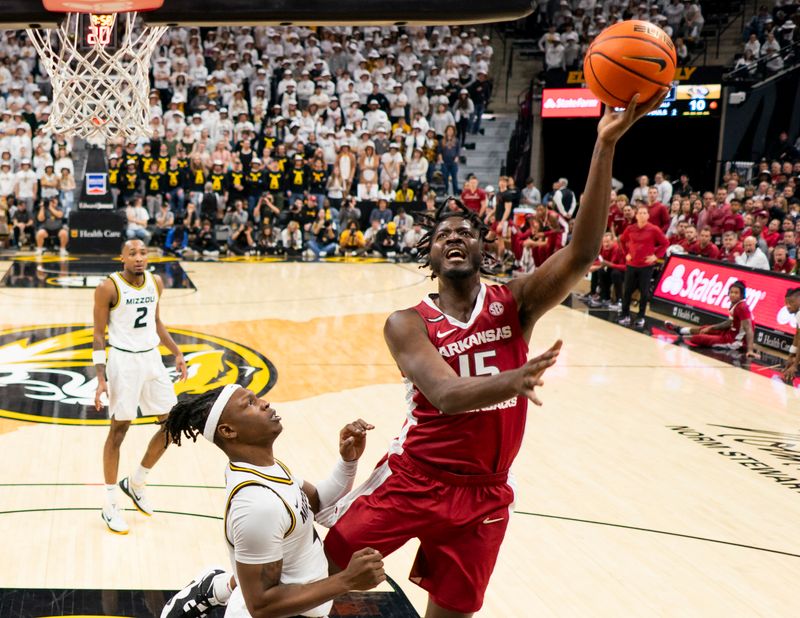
(333, 489)
(257, 521)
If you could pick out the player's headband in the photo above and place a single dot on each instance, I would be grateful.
(212, 421)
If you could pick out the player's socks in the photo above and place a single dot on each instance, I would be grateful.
(221, 587)
(111, 497)
(139, 477)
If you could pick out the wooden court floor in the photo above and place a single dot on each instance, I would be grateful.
(653, 482)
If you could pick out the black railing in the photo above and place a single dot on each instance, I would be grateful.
(758, 71)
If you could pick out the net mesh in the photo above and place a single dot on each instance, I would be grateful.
(99, 91)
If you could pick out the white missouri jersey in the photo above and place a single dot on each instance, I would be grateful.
(132, 320)
(268, 518)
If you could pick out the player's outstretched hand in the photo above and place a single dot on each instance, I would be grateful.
(530, 374)
(790, 372)
(365, 570)
(613, 125)
(102, 389)
(353, 439)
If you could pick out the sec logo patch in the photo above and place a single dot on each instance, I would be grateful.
(496, 309)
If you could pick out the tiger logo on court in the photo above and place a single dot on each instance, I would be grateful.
(47, 376)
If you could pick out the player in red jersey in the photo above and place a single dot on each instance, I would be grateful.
(463, 355)
(730, 334)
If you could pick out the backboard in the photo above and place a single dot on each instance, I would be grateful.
(211, 13)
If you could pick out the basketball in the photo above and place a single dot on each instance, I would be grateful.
(627, 58)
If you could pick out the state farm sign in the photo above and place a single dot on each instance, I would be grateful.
(569, 103)
(703, 285)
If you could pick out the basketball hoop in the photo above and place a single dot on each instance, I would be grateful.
(99, 89)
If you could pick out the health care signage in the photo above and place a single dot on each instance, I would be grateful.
(569, 103)
(695, 289)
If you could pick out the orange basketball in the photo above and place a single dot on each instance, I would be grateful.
(629, 57)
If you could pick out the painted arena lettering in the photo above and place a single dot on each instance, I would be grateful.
(782, 446)
(479, 338)
(743, 459)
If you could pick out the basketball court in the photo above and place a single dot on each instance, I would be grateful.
(654, 481)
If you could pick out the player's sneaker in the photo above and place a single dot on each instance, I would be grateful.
(114, 521)
(196, 599)
(626, 321)
(671, 326)
(640, 323)
(138, 497)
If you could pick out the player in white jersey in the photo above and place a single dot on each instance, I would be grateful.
(793, 306)
(278, 560)
(128, 303)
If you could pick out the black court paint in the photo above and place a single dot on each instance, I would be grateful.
(85, 273)
(43, 602)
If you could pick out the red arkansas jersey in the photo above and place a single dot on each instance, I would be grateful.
(482, 441)
(739, 312)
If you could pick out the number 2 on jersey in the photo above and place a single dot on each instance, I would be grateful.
(141, 318)
(480, 365)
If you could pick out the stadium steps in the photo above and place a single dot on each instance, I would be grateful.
(487, 158)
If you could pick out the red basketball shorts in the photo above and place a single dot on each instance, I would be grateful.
(459, 520)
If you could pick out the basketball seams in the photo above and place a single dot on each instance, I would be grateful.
(661, 47)
(599, 83)
(630, 70)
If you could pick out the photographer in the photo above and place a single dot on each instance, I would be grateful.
(323, 237)
(352, 241)
(266, 208)
(51, 224)
(350, 212)
(205, 241)
(241, 241)
(269, 242)
(386, 241)
(292, 238)
(293, 213)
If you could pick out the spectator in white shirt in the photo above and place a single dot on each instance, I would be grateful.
(752, 256)
(137, 221)
(7, 179)
(664, 187)
(25, 183)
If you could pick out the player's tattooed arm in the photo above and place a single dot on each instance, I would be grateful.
(266, 597)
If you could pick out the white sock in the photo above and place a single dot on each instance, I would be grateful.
(222, 588)
(139, 477)
(111, 497)
(685, 331)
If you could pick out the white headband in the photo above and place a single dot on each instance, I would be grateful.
(210, 427)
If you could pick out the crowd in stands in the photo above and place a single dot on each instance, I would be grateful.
(572, 25)
(754, 224)
(769, 40)
(257, 132)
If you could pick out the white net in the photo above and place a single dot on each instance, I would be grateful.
(100, 90)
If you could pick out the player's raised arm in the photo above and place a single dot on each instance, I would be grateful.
(421, 363)
(323, 497)
(548, 285)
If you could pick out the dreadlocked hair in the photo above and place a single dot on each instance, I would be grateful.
(451, 207)
(188, 417)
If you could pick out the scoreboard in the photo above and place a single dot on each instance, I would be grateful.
(691, 100)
